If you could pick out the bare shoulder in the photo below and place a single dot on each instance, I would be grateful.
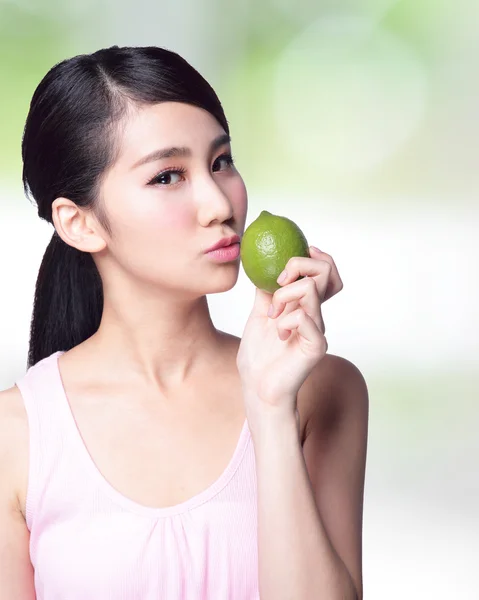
(348, 384)
(13, 417)
(14, 439)
(336, 389)
(334, 379)
(344, 374)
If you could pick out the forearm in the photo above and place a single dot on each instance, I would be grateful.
(296, 558)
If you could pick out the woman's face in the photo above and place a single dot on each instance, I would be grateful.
(162, 221)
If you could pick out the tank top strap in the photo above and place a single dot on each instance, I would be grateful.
(46, 423)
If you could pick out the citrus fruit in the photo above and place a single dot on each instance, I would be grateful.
(267, 245)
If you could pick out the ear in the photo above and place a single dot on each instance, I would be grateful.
(76, 226)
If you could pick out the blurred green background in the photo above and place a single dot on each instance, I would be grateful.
(358, 120)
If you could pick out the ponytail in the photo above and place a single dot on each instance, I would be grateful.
(68, 300)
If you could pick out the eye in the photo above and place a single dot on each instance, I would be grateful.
(164, 178)
(227, 158)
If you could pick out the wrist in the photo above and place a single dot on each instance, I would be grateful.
(269, 424)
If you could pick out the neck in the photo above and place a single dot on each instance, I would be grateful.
(161, 344)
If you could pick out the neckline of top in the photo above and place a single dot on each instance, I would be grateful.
(89, 464)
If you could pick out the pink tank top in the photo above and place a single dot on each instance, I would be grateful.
(89, 542)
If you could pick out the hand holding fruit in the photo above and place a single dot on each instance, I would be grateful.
(278, 352)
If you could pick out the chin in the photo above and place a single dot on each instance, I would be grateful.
(224, 281)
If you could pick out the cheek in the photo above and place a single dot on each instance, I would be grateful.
(174, 218)
(151, 244)
(239, 198)
(145, 221)
(152, 214)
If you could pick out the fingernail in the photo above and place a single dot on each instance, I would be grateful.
(282, 277)
(270, 310)
(316, 249)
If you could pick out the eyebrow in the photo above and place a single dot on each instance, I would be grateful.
(180, 151)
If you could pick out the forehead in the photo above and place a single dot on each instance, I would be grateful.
(152, 127)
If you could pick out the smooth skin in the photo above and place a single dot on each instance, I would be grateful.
(280, 349)
(156, 347)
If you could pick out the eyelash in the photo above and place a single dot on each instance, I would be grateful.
(181, 170)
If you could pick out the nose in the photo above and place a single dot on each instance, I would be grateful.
(213, 202)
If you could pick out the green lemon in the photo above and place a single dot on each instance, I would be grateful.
(267, 245)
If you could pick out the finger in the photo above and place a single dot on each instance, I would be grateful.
(303, 292)
(298, 265)
(335, 284)
(307, 330)
(319, 270)
(302, 265)
(262, 300)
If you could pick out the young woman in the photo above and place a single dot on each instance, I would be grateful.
(146, 454)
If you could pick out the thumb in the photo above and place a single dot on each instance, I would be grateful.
(262, 301)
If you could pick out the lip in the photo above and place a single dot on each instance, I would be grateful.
(224, 242)
(226, 254)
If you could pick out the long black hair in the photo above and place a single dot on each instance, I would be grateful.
(70, 140)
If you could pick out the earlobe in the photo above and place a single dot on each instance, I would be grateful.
(73, 226)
